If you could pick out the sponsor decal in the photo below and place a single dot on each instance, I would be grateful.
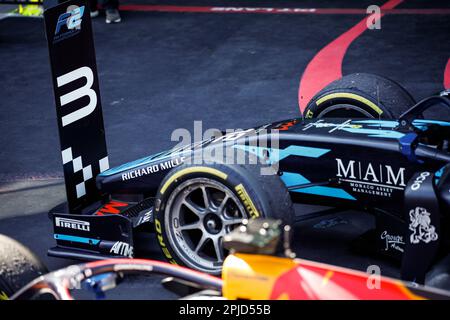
(309, 114)
(373, 179)
(164, 249)
(419, 180)
(421, 227)
(166, 165)
(145, 217)
(329, 223)
(111, 207)
(392, 242)
(183, 245)
(69, 23)
(333, 126)
(351, 127)
(263, 10)
(247, 201)
(72, 224)
(122, 249)
(286, 125)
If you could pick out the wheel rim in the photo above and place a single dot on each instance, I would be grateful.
(198, 214)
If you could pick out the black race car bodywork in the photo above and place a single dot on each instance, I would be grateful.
(360, 162)
(395, 169)
(354, 163)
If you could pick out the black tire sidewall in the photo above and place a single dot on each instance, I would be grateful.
(18, 266)
(378, 96)
(253, 198)
(314, 108)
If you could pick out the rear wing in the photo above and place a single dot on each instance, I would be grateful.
(77, 98)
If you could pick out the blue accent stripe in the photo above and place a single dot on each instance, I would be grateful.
(327, 192)
(276, 155)
(376, 133)
(302, 152)
(378, 123)
(292, 179)
(421, 124)
(394, 123)
(66, 237)
(424, 121)
(438, 175)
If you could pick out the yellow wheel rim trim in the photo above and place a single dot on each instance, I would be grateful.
(183, 172)
(350, 96)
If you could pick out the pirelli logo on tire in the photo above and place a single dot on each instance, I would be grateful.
(162, 243)
(309, 114)
(247, 201)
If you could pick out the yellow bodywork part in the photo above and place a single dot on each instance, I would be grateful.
(250, 276)
(30, 10)
(3, 296)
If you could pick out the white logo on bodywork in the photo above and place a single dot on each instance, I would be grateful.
(419, 180)
(421, 226)
(394, 242)
(122, 249)
(72, 224)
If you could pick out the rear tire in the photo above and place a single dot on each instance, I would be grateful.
(249, 194)
(439, 275)
(360, 95)
(18, 267)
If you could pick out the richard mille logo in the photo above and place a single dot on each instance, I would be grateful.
(379, 180)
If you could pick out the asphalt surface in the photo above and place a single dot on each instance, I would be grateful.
(160, 71)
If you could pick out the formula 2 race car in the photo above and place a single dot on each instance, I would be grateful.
(260, 267)
(353, 149)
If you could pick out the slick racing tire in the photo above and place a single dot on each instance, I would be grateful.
(18, 267)
(439, 275)
(197, 205)
(360, 95)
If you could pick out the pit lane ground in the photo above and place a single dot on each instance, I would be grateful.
(163, 70)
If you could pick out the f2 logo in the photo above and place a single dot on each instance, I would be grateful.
(71, 19)
(84, 91)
